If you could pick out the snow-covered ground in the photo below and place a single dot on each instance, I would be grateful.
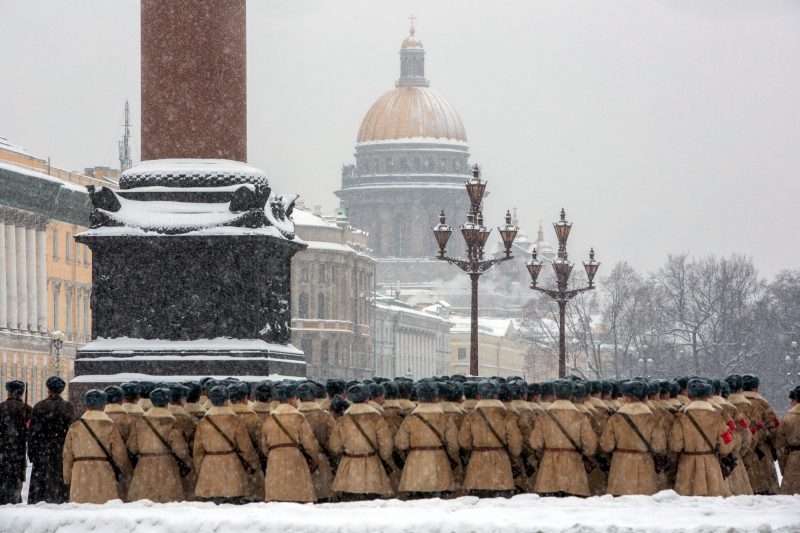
(663, 512)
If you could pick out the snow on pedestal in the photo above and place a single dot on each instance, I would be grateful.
(190, 274)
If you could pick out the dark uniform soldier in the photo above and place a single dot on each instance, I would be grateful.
(14, 418)
(49, 425)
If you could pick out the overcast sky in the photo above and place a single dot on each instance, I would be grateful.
(661, 126)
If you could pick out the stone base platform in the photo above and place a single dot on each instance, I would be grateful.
(105, 362)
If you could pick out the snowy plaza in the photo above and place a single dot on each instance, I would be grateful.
(662, 513)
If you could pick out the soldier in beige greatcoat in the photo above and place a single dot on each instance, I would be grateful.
(561, 468)
(157, 475)
(221, 475)
(322, 424)
(87, 469)
(364, 457)
(699, 472)
(431, 439)
(632, 467)
(284, 437)
(787, 442)
(489, 470)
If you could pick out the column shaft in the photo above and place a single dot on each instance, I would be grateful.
(30, 268)
(11, 275)
(3, 278)
(41, 280)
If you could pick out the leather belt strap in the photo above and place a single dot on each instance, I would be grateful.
(486, 449)
(628, 450)
(360, 455)
(426, 448)
(228, 452)
(708, 452)
(573, 450)
(794, 448)
(285, 445)
(89, 459)
(154, 454)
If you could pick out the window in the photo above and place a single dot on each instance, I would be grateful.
(68, 295)
(304, 274)
(323, 352)
(85, 255)
(321, 272)
(307, 346)
(68, 247)
(389, 164)
(55, 244)
(404, 165)
(417, 164)
(321, 306)
(55, 307)
(302, 305)
(86, 313)
(443, 166)
(78, 311)
(462, 354)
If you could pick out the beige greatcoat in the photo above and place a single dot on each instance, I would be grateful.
(632, 470)
(699, 473)
(86, 470)
(788, 435)
(288, 478)
(219, 471)
(762, 473)
(252, 423)
(322, 424)
(427, 467)
(561, 467)
(738, 482)
(489, 465)
(360, 469)
(157, 477)
(195, 410)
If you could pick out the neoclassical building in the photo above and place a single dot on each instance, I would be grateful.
(45, 276)
(411, 162)
(332, 283)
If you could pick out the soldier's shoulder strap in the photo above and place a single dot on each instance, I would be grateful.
(430, 426)
(566, 434)
(711, 447)
(491, 429)
(181, 464)
(234, 448)
(363, 433)
(114, 466)
(636, 430)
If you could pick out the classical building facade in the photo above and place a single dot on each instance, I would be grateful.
(411, 161)
(332, 284)
(408, 341)
(501, 351)
(45, 276)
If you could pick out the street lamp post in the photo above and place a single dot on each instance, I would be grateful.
(56, 366)
(792, 360)
(563, 269)
(475, 235)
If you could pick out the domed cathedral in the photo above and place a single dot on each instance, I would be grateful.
(411, 161)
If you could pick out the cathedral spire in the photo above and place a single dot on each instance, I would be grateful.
(412, 60)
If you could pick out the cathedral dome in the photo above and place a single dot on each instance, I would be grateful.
(409, 112)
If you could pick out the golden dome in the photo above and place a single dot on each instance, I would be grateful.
(411, 112)
(412, 42)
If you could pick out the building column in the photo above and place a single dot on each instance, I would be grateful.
(3, 278)
(11, 275)
(41, 280)
(22, 279)
(30, 268)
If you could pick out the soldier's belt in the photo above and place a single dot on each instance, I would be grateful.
(573, 450)
(628, 450)
(285, 445)
(707, 452)
(89, 459)
(794, 448)
(425, 448)
(220, 453)
(154, 454)
(487, 448)
(360, 455)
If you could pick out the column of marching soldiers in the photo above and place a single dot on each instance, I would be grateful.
(233, 441)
